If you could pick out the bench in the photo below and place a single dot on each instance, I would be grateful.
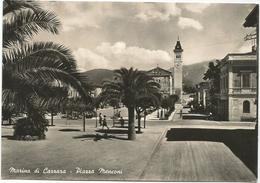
(117, 123)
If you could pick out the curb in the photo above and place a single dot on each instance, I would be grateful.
(154, 150)
(170, 118)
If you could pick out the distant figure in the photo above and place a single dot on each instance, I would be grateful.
(119, 114)
(181, 113)
(104, 123)
(210, 117)
(100, 119)
(122, 121)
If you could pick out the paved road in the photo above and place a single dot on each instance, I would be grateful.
(196, 161)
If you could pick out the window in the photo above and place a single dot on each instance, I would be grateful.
(246, 80)
(253, 80)
(236, 80)
(246, 106)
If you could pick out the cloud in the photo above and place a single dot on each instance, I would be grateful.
(112, 56)
(87, 59)
(162, 11)
(196, 7)
(189, 23)
(75, 15)
(246, 47)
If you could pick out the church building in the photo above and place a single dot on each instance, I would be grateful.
(170, 81)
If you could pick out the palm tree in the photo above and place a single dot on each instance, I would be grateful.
(128, 86)
(32, 69)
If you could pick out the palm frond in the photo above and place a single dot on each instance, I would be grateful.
(10, 6)
(47, 74)
(26, 24)
(40, 54)
(13, 99)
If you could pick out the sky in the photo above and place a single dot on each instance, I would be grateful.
(142, 35)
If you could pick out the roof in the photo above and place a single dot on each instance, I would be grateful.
(158, 72)
(236, 57)
(178, 47)
(252, 18)
(229, 55)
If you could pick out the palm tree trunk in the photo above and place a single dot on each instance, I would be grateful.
(113, 116)
(10, 121)
(144, 119)
(84, 122)
(51, 118)
(139, 123)
(131, 124)
(96, 118)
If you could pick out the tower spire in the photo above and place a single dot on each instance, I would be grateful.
(178, 38)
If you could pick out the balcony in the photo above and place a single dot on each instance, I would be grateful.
(242, 90)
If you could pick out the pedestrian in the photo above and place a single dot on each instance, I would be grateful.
(122, 121)
(210, 117)
(181, 113)
(100, 119)
(104, 123)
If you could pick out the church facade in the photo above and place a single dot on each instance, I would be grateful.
(170, 81)
(164, 78)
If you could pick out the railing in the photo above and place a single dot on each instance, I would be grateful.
(242, 90)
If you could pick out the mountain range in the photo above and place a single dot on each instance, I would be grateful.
(192, 74)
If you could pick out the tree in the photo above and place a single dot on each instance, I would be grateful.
(189, 89)
(169, 102)
(32, 68)
(172, 100)
(145, 102)
(213, 76)
(128, 87)
(52, 100)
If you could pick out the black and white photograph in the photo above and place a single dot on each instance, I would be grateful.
(129, 91)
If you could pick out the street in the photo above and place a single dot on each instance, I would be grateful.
(158, 153)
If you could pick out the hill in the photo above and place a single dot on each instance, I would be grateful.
(97, 76)
(192, 74)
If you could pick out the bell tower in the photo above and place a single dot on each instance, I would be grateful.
(177, 75)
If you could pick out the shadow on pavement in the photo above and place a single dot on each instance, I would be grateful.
(97, 137)
(113, 131)
(243, 143)
(69, 130)
(9, 137)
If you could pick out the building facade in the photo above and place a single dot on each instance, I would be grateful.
(164, 78)
(238, 87)
(202, 94)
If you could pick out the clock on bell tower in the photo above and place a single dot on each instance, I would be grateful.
(177, 74)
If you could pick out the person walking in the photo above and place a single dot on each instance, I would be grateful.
(104, 123)
(122, 121)
(100, 119)
(181, 113)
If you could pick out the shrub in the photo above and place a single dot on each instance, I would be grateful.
(34, 125)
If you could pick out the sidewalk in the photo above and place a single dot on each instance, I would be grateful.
(206, 124)
(69, 149)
